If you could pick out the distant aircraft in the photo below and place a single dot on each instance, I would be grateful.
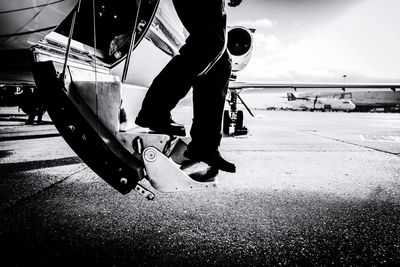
(364, 99)
(320, 103)
(93, 72)
(237, 87)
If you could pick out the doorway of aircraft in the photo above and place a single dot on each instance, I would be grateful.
(108, 25)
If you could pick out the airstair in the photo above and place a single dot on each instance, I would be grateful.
(94, 111)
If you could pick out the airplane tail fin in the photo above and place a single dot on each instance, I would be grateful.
(291, 97)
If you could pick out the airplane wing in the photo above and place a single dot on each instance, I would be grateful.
(236, 85)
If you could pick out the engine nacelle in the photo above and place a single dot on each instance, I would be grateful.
(240, 46)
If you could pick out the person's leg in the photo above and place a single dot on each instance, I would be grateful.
(31, 118)
(206, 26)
(31, 114)
(208, 104)
(40, 111)
(209, 94)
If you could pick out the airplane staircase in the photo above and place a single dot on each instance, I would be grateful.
(86, 107)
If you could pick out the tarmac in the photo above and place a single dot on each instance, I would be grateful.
(311, 189)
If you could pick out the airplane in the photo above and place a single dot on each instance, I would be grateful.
(365, 100)
(92, 73)
(237, 87)
(320, 103)
(23, 24)
(94, 69)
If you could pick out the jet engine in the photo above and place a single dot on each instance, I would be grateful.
(240, 46)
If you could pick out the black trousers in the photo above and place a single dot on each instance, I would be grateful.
(203, 64)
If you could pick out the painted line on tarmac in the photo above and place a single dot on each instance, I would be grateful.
(380, 138)
(354, 144)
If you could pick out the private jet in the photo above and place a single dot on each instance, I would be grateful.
(95, 64)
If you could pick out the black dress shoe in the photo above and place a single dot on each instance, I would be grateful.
(214, 160)
(162, 126)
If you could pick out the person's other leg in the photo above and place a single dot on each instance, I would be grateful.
(206, 26)
(40, 111)
(31, 118)
(209, 95)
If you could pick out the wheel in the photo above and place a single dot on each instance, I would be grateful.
(25, 100)
(226, 122)
(239, 119)
(28, 102)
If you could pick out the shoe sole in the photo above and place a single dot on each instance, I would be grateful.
(195, 159)
(181, 132)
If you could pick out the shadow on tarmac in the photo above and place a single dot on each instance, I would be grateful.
(5, 153)
(37, 164)
(24, 137)
(7, 115)
(266, 229)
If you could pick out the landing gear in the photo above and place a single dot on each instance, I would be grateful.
(239, 120)
(226, 122)
(234, 117)
(30, 103)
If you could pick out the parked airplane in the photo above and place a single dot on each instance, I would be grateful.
(22, 25)
(319, 103)
(236, 88)
(365, 99)
(106, 53)
(83, 81)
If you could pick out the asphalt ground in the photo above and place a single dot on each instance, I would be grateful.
(310, 189)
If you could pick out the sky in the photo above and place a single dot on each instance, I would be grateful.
(321, 40)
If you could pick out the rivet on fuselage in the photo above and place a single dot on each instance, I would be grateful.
(71, 128)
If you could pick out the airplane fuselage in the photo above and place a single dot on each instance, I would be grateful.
(323, 104)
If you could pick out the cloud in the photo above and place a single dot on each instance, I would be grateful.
(366, 40)
(266, 43)
(365, 49)
(261, 23)
(274, 62)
